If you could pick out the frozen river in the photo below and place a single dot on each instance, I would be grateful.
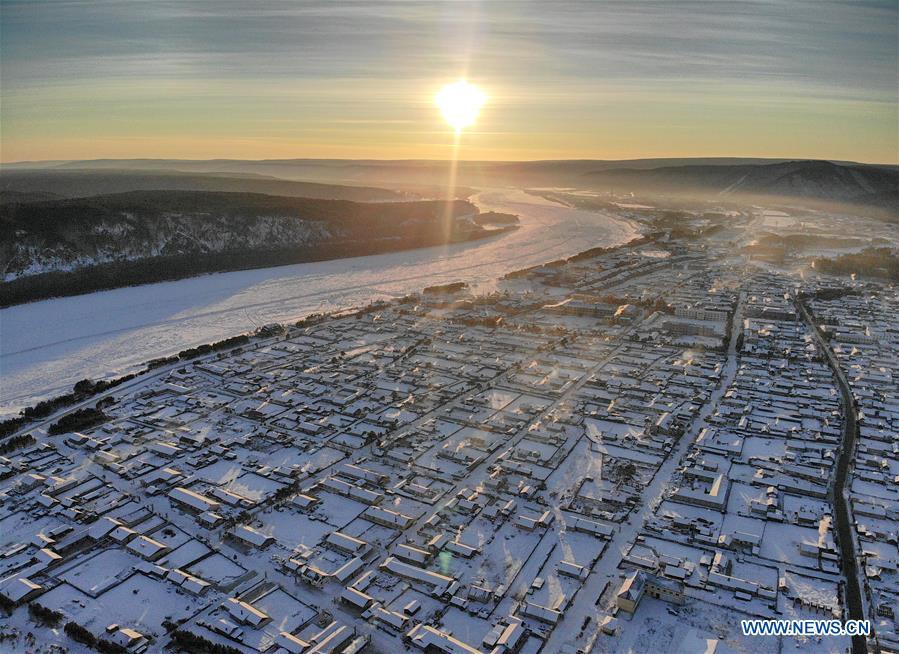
(45, 347)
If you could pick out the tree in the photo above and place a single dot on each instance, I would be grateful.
(627, 472)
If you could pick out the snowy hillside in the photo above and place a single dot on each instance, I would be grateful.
(874, 186)
(146, 236)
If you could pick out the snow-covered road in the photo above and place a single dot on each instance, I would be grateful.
(606, 570)
(45, 347)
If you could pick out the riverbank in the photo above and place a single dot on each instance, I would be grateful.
(48, 346)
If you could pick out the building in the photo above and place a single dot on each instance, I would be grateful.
(437, 583)
(193, 501)
(250, 537)
(17, 590)
(639, 583)
(245, 613)
(387, 518)
(428, 639)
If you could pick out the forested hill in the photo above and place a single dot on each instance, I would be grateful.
(143, 236)
(813, 181)
(84, 183)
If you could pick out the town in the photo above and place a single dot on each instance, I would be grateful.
(627, 450)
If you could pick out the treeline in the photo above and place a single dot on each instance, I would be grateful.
(51, 217)
(496, 218)
(82, 390)
(80, 419)
(652, 304)
(585, 254)
(827, 294)
(803, 241)
(186, 641)
(593, 252)
(87, 388)
(16, 443)
(872, 262)
(208, 348)
(81, 635)
(42, 615)
(106, 276)
(453, 287)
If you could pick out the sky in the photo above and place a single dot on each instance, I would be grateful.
(357, 79)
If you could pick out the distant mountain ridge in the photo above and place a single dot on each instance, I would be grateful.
(79, 182)
(819, 180)
(855, 184)
(374, 171)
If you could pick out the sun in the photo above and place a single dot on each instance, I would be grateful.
(460, 104)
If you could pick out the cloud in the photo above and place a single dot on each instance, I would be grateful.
(304, 62)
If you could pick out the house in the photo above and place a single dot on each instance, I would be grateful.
(47, 556)
(232, 499)
(17, 590)
(390, 619)
(597, 529)
(331, 639)
(250, 537)
(168, 450)
(530, 524)
(341, 487)
(363, 474)
(571, 569)
(122, 534)
(542, 613)
(290, 643)
(437, 583)
(387, 518)
(245, 613)
(193, 501)
(412, 554)
(102, 528)
(711, 493)
(609, 625)
(348, 570)
(147, 548)
(428, 639)
(639, 583)
(506, 637)
(347, 544)
(356, 598)
(133, 641)
(305, 502)
(188, 582)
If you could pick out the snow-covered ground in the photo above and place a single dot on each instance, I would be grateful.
(45, 347)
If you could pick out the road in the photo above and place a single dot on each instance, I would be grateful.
(838, 495)
(49, 345)
(321, 599)
(606, 570)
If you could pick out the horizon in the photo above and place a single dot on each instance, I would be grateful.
(574, 81)
(449, 326)
(734, 158)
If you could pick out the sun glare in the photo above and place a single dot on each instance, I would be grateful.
(460, 104)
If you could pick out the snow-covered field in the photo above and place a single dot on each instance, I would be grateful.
(45, 347)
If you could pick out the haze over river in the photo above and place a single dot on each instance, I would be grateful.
(47, 346)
